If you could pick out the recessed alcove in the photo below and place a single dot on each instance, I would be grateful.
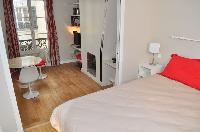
(91, 64)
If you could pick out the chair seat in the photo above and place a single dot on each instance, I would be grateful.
(28, 75)
(42, 63)
(78, 56)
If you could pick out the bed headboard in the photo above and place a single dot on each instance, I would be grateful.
(184, 46)
(185, 39)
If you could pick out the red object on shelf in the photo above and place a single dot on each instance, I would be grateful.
(78, 56)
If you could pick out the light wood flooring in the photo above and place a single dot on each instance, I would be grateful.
(64, 82)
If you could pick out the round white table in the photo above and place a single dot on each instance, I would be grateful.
(25, 61)
(22, 62)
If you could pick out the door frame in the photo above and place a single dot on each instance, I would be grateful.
(8, 81)
(120, 40)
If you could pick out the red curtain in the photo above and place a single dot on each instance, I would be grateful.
(11, 32)
(52, 35)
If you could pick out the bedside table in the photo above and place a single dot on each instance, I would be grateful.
(146, 69)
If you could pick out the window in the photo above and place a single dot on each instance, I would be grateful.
(26, 15)
(31, 24)
(19, 15)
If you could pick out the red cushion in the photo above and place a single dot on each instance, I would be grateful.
(184, 70)
(78, 56)
(42, 63)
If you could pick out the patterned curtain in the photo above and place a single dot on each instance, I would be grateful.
(52, 35)
(11, 32)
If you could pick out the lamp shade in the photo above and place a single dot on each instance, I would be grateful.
(154, 48)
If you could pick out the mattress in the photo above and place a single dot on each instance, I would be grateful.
(152, 104)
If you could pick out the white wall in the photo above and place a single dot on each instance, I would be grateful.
(63, 9)
(181, 18)
(155, 21)
(140, 25)
(9, 114)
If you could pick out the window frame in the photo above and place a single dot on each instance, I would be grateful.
(32, 28)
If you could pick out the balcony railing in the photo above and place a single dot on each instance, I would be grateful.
(26, 45)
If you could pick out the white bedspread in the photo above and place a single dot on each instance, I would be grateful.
(154, 104)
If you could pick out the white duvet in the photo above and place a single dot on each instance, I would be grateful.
(154, 104)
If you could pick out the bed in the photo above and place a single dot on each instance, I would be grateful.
(152, 104)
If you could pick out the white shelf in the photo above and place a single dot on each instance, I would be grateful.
(76, 15)
(76, 60)
(110, 63)
(75, 47)
(76, 3)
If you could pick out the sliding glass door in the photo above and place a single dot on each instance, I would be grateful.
(31, 25)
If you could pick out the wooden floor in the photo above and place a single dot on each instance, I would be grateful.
(64, 82)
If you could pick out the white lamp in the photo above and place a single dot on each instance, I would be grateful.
(154, 48)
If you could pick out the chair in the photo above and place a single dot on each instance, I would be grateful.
(43, 54)
(27, 76)
(39, 66)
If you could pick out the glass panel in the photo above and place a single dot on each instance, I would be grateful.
(26, 14)
(42, 26)
(22, 16)
(39, 5)
(34, 17)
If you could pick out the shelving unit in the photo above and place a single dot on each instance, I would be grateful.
(75, 17)
(99, 25)
(75, 47)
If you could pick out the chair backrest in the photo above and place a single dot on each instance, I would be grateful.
(28, 74)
